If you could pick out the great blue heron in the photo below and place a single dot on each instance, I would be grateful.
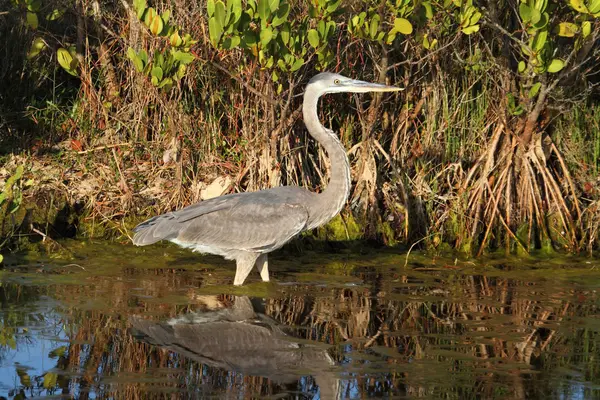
(247, 226)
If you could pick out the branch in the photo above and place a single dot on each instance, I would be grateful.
(244, 84)
(496, 26)
(429, 55)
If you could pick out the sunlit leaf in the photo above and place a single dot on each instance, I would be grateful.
(556, 65)
(567, 29)
(470, 29)
(403, 26)
(313, 38)
(32, 20)
(67, 61)
(578, 5)
(266, 35)
(534, 90)
(156, 26)
(140, 7)
(586, 28)
(185, 58)
(37, 46)
(55, 14)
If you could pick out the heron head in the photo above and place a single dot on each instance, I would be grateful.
(327, 82)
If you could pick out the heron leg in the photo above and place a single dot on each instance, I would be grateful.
(244, 264)
(262, 264)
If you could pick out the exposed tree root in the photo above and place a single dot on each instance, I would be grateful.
(529, 194)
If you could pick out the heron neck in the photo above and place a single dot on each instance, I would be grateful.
(334, 197)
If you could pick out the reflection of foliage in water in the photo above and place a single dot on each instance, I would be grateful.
(432, 331)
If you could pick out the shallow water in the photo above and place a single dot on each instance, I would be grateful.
(110, 321)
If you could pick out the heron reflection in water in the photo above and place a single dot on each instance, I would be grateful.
(247, 226)
(241, 340)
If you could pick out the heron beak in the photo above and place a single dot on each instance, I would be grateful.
(357, 86)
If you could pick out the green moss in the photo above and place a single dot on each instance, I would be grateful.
(523, 236)
(341, 228)
(387, 233)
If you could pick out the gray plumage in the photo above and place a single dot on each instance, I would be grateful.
(247, 226)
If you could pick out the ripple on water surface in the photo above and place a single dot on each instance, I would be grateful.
(107, 321)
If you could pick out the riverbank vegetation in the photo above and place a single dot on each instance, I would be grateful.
(112, 112)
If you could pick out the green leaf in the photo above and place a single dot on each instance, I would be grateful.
(149, 16)
(263, 9)
(475, 18)
(297, 64)
(158, 73)
(273, 5)
(567, 29)
(536, 15)
(594, 7)
(374, 26)
(220, 13)
(137, 61)
(470, 29)
(180, 71)
(1, 258)
(231, 42)
(66, 60)
(143, 56)
(586, 28)
(37, 46)
(525, 12)
(156, 26)
(175, 39)
(534, 90)
(539, 40)
(579, 6)
(215, 30)
(541, 24)
(266, 35)
(18, 174)
(333, 5)
(249, 39)
(55, 14)
(166, 84)
(166, 15)
(522, 66)
(313, 38)
(540, 5)
(140, 7)
(210, 7)
(556, 65)
(183, 57)
(34, 5)
(236, 10)
(32, 20)
(284, 34)
(428, 9)
(281, 15)
(403, 26)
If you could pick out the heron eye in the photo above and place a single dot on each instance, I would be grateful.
(337, 81)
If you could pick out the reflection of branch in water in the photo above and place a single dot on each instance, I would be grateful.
(238, 339)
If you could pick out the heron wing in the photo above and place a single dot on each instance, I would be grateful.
(254, 220)
(251, 225)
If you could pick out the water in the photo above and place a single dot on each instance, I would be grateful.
(110, 321)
